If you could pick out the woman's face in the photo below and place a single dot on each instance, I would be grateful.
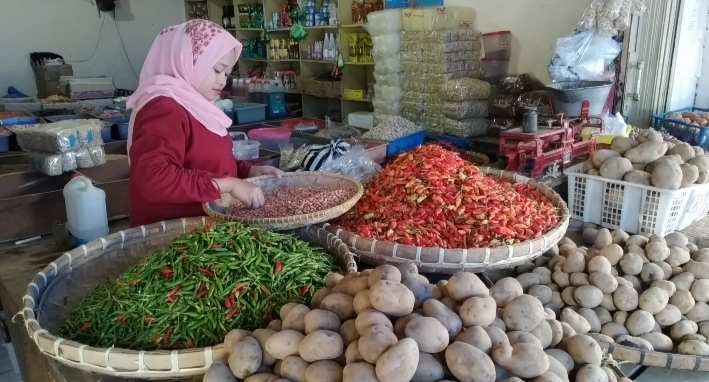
(215, 80)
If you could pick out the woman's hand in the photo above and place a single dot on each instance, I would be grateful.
(265, 170)
(246, 192)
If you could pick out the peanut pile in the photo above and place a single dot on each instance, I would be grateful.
(294, 201)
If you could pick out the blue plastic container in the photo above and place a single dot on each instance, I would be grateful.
(249, 112)
(389, 4)
(429, 3)
(106, 133)
(57, 118)
(120, 131)
(4, 143)
(275, 105)
(18, 121)
(230, 114)
(404, 143)
(685, 132)
(455, 141)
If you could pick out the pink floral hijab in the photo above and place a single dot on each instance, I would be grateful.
(178, 61)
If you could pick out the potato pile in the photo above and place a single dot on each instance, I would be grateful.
(693, 118)
(649, 293)
(390, 324)
(650, 160)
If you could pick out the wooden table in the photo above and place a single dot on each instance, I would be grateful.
(18, 265)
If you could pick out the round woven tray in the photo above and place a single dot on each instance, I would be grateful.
(655, 359)
(217, 209)
(59, 287)
(443, 260)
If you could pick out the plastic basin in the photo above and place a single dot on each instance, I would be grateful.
(245, 149)
(271, 138)
(572, 97)
(249, 112)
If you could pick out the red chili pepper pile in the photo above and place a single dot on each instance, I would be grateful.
(430, 197)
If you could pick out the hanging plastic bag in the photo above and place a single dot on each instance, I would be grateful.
(584, 55)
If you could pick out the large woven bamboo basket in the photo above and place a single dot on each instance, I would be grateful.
(217, 209)
(443, 260)
(59, 287)
(655, 359)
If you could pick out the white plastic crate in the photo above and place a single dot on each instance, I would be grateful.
(632, 207)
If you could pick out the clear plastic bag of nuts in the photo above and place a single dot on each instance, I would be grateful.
(355, 163)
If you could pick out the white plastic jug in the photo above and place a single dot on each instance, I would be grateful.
(85, 209)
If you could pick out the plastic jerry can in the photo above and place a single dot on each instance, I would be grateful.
(275, 105)
(86, 215)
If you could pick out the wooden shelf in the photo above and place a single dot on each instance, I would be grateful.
(352, 75)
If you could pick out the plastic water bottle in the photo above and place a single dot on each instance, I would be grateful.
(86, 215)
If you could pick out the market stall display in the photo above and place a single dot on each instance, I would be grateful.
(288, 217)
(58, 289)
(432, 207)
(390, 324)
(638, 295)
(690, 125)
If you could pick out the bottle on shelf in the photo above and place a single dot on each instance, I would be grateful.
(232, 16)
(226, 19)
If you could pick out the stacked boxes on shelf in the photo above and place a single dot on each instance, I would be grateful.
(437, 45)
(385, 29)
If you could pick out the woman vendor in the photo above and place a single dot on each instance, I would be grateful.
(179, 150)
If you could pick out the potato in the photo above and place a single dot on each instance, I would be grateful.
(575, 262)
(684, 151)
(359, 372)
(463, 285)
(704, 329)
(667, 175)
(640, 241)
(620, 317)
(612, 252)
(567, 295)
(318, 319)
(525, 268)
(615, 168)
(324, 371)
(375, 341)
(331, 280)
(343, 281)
(631, 264)
(275, 325)
(683, 300)
(318, 297)
(558, 369)
(602, 155)
(699, 313)
(693, 347)
(263, 377)
(320, 345)
(421, 289)
(700, 290)
(579, 279)
(497, 335)
(700, 270)
(591, 373)
(233, 336)
(548, 377)
(639, 177)
(622, 144)
(361, 301)
(625, 298)
(522, 359)
(600, 337)
(562, 357)
(603, 281)
(614, 330)
(430, 335)
(653, 300)
(591, 318)
(690, 174)
(399, 362)
(384, 272)
(523, 313)
(517, 337)
(293, 368)
(702, 164)
(400, 324)
(651, 272)
(369, 318)
(283, 344)
(639, 322)
(561, 279)
(219, 372)
(428, 369)
(584, 350)
(665, 285)
(245, 357)
(407, 270)
(352, 354)
(700, 255)
(477, 337)
(567, 331)
(541, 292)
(604, 316)
(353, 286)
(479, 311)
(505, 290)
(262, 335)
(450, 320)
(576, 321)
(646, 152)
(588, 296)
(683, 328)
(666, 269)
(339, 303)
(598, 264)
(657, 251)
(392, 298)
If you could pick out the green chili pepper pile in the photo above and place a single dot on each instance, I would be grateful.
(201, 286)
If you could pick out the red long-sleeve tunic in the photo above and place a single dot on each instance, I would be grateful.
(173, 159)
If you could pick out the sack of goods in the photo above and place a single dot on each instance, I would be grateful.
(465, 107)
(384, 27)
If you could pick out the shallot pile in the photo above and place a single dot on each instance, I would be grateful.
(431, 197)
(292, 201)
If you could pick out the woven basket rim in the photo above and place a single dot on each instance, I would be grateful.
(57, 348)
(301, 220)
(653, 358)
(363, 245)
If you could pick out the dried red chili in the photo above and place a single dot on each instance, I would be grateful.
(166, 271)
(305, 290)
(232, 312)
(431, 197)
(86, 326)
(277, 266)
